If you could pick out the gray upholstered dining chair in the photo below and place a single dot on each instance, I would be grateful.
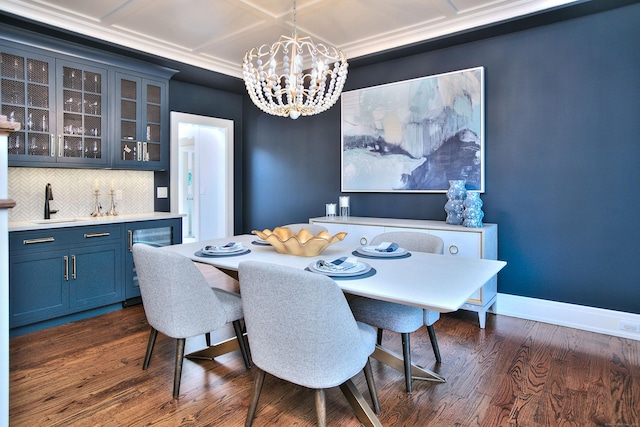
(312, 228)
(398, 317)
(179, 302)
(301, 330)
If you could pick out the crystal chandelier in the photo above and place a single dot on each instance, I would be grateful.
(279, 83)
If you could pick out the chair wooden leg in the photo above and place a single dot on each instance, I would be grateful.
(152, 342)
(321, 411)
(368, 374)
(243, 347)
(177, 374)
(379, 340)
(406, 355)
(434, 343)
(207, 339)
(257, 388)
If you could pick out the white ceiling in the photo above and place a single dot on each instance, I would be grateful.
(215, 34)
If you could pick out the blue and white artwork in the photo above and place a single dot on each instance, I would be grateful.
(415, 135)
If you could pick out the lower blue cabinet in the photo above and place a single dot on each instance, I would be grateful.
(98, 276)
(38, 289)
(53, 273)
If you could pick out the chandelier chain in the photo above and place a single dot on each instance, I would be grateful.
(295, 24)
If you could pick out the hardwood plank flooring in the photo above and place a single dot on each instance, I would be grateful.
(513, 373)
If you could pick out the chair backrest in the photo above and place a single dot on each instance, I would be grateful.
(177, 299)
(412, 241)
(299, 325)
(312, 228)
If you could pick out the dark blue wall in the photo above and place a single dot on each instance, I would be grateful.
(204, 101)
(562, 157)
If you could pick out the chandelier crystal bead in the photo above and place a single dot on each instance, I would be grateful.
(298, 90)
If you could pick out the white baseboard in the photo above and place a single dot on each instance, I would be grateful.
(571, 315)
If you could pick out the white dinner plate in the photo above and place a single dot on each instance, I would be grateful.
(222, 254)
(371, 251)
(213, 250)
(360, 268)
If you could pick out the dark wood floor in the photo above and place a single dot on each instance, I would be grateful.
(513, 373)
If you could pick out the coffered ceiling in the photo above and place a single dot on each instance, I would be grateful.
(215, 34)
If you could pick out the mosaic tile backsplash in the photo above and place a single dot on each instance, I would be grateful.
(73, 194)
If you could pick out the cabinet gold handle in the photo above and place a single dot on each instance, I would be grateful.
(145, 152)
(453, 250)
(130, 234)
(139, 151)
(90, 235)
(52, 145)
(73, 267)
(66, 267)
(60, 150)
(42, 240)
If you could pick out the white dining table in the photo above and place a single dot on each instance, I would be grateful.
(430, 281)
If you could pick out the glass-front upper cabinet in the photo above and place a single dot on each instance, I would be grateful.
(60, 107)
(81, 125)
(142, 131)
(27, 95)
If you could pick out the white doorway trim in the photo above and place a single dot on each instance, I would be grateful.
(211, 122)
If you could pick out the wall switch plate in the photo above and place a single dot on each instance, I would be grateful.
(162, 192)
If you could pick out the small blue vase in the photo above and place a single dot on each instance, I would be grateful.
(454, 206)
(472, 214)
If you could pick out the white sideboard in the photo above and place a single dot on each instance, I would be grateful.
(458, 241)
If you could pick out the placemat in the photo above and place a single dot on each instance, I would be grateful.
(359, 276)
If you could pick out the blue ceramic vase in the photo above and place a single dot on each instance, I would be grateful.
(472, 214)
(454, 206)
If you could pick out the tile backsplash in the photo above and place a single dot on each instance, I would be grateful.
(73, 194)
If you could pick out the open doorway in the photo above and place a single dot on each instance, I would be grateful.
(202, 175)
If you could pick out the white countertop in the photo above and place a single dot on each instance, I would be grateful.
(88, 220)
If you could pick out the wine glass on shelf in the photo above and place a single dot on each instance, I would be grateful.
(16, 69)
(33, 147)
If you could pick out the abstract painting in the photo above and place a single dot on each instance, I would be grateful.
(415, 135)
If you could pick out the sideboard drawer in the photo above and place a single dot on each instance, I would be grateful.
(457, 243)
(357, 235)
(363, 234)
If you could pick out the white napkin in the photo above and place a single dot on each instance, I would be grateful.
(229, 247)
(387, 247)
(340, 264)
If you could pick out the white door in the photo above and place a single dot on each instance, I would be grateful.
(202, 175)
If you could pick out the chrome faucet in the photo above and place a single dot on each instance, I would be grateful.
(48, 195)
